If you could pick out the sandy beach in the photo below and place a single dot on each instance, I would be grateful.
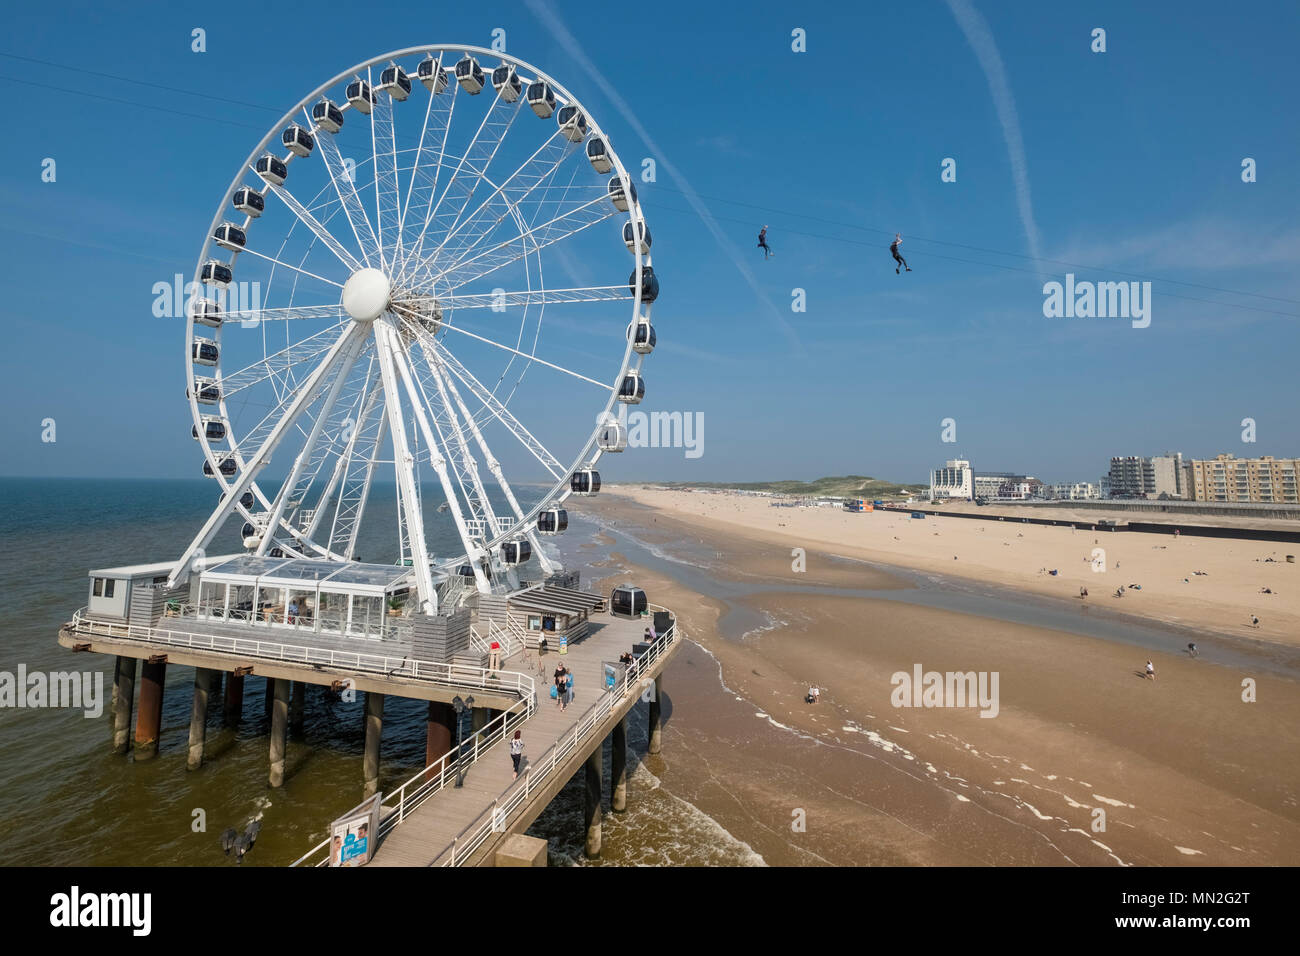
(1087, 762)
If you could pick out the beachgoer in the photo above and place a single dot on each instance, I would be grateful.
(1151, 670)
(762, 243)
(1191, 649)
(815, 693)
(1254, 621)
(893, 249)
(517, 751)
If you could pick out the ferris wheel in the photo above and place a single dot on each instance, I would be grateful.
(374, 286)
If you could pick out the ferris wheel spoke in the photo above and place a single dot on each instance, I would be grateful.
(312, 223)
(383, 147)
(494, 405)
(300, 271)
(526, 355)
(282, 361)
(259, 459)
(499, 301)
(534, 239)
(467, 175)
(251, 318)
(434, 133)
(354, 492)
(342, 444)
(511, 192)
(343, 179)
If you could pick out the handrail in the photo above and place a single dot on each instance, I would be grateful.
(509, 644)
(436, 672)
(421, 788)
(497, 818)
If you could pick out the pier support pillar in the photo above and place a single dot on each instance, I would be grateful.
(148, 719)
(214, 690)
(199, 716)
(278, 694)
(374, 730)
(123, 699)
(233, 708)
(297, 708)
(654, 727)
(482, 717)
(269, 699)
(591, 804)
(618, 766)
(440, 732)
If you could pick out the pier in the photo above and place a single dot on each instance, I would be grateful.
(466, 805)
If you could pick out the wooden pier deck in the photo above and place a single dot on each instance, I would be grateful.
(427, 834)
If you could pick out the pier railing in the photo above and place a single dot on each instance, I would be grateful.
(510, 805)
(434, 672)
(435, 777)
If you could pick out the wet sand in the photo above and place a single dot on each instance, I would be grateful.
(1184, 770)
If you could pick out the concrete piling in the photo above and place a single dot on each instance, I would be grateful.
(618, 766)
(654, 728)
(439, 733)
(591, 803)
(233, 707)
(203, 677)
(278, 693)
(297, 708)
(374, 721)
(123, 699)
(148, 718)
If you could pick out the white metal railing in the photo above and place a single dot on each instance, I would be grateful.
(435, 777)
(476, 640)
(434, 672)
(512, 801)
(510, 644)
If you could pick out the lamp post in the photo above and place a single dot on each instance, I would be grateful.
(461, 707)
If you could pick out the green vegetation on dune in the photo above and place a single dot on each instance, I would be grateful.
(843, 486)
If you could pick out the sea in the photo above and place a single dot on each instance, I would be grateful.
(67, 799)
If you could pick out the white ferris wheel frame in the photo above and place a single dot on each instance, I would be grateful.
(397, 375)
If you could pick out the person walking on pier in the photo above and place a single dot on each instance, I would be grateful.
(517, 751)
(562, 686)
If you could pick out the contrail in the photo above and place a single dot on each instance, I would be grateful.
(980, 37)
(550, 19)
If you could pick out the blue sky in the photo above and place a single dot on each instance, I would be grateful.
(1131, 167)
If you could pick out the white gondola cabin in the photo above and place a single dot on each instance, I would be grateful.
(541, 98)
(226, 466)
(216, 273)
(552, 521)
(206, 391)
(204, 352)
(205, 312)
(632, 390)
(469, 75)
(618, 196)
(643, 336)
(395, 82)
(506, 82)
(637, 238)
(249, 201)
(229, 236)
(431, 75)
(573, 125)
(298, 141)
(649, 284)
(612, 436)
(360, 96)
(585, 481)
(214, 429)
(516, 552)
(272, 169)
(327, 116)
(628, 601)
(598, 155)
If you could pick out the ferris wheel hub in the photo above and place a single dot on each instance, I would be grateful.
(366, 294)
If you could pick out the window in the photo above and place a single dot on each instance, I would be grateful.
(534, 622)
(97, 589)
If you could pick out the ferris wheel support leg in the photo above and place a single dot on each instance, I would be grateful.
(263, 455)
(404, 463)
(345, 364)
(472, 550)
